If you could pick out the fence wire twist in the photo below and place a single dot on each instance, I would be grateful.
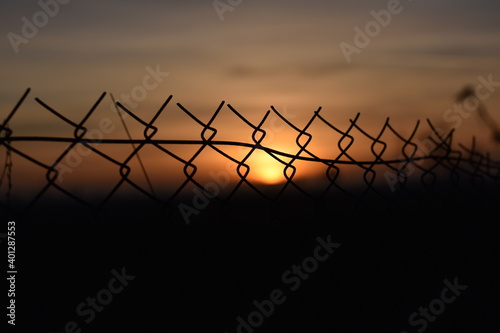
(458, 162)
(382, 266)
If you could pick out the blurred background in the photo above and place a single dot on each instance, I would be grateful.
(295, 55)
(213, 258)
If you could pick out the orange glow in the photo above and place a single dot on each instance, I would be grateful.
(265, 169)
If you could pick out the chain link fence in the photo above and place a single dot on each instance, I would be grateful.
(370, 244)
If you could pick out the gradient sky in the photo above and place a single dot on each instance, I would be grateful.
(281, 53)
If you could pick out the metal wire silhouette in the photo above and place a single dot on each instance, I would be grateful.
(459, 162)
(385, 264)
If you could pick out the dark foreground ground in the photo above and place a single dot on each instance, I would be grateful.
(415, 260)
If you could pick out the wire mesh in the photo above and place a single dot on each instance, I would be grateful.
(411, 213)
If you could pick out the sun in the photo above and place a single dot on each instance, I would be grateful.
(265, 169)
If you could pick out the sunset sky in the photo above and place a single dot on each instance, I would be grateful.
(257, 54)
